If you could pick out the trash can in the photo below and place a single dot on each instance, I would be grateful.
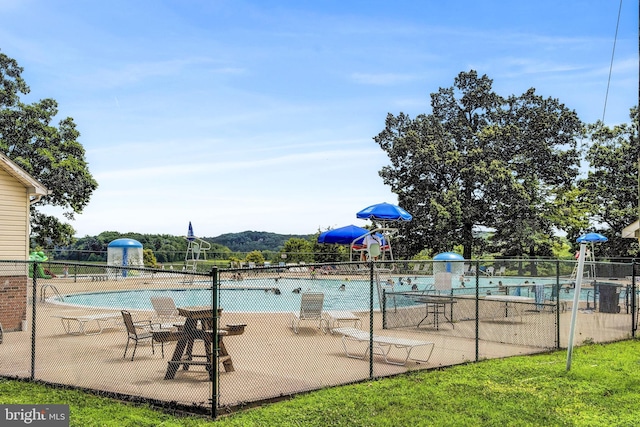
(609, 298)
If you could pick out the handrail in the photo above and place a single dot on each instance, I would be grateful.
(43, 293)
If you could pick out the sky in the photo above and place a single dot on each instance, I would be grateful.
(260, 115)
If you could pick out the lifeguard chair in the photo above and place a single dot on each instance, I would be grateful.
(196, 251)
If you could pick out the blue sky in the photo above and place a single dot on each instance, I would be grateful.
(259, 115)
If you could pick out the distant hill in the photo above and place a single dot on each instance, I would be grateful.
(248, 241)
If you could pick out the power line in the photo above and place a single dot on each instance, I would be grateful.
(615, 38)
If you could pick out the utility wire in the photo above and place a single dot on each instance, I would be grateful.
(615, 38)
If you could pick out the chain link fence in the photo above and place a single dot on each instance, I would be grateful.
(231, 338)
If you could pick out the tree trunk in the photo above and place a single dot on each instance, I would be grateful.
(534, 265)
(467, 240)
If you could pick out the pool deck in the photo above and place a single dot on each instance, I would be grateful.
(270, 360)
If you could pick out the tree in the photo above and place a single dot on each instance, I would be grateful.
(297, 249)
(50, 154)
(480, 160)
(610, 190)
(255, 257)
(148, 258)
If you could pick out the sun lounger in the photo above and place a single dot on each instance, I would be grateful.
(382, 345)
(335, 318)
(75, 324)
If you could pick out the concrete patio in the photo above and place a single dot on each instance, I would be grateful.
(270, 360)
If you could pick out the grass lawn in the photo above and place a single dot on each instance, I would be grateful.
(602, 389)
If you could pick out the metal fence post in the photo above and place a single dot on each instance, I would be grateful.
(557, 286)
(634, 311)
(214, 369)
(477, 310)
(371, 278)
(34, 295)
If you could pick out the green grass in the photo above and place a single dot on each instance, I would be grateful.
(602, 389)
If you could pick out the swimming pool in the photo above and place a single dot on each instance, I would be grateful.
(249, 295)
(241, 298)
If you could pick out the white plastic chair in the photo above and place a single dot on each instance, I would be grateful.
(310, 310)
(166, 311)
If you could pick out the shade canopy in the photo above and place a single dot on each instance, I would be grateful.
(124, 243)
(591, 238)
(343, 235)
(384, 212)
(448, 256)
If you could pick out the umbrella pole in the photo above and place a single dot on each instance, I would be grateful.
(576, 301)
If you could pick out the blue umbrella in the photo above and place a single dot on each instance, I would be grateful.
(190, 236)
(591, 238)
(583, 240)
(384, 212)
(343, 235)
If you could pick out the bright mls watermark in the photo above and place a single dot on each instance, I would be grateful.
(34, 415)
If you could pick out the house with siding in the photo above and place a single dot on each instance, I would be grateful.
(18, 190)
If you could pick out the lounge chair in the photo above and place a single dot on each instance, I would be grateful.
(335, 318)
(310, 310)
(74, 324)
(139, 331)
(166, 311)
(426, 269)
(382, 345)
(416, 268)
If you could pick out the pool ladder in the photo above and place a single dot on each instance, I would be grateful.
(43, 293)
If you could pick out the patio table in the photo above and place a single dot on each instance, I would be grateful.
(437, 305)
(511, 301)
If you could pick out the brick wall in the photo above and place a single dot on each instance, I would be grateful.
(13, 301)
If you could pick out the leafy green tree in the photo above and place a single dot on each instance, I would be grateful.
(248, 241)
(298, 250)
(256, 257)
(148, 258)
(480, 160)
(219, 251)
(610, 190)
(51, 154)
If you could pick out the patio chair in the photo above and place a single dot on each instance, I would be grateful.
(426, 269)
(139, 331)
(310, 310)
(416, 269)
(166, 312)
(382, 345)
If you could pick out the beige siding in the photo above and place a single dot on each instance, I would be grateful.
(14, 219)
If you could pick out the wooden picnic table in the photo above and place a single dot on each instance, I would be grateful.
(199, 325)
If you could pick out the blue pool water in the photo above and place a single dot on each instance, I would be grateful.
(354, 297)
(243, 299)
